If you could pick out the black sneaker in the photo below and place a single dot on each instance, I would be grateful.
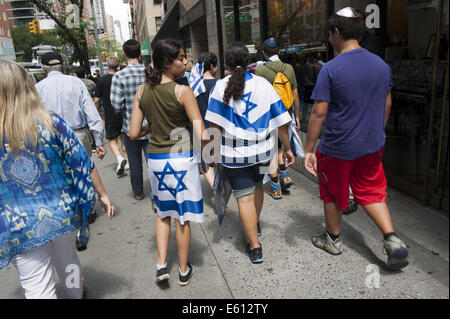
(351, 208)
(162, 274)
(259, 230)
(185, 280)
(255, 254)
(81, 246)
(92, 217)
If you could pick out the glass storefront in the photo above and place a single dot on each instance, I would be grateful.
(295, 22)
(228, 24)
(249, 23)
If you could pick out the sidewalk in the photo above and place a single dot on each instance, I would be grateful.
(120, 261)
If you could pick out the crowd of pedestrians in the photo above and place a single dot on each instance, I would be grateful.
(47, 132)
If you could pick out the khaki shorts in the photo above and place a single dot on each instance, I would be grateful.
(85, 137)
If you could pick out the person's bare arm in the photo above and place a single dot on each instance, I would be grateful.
(388, 109)
(189, 102)
(283, 135)
(97, 102)
(137, 118)
(298, 116)
(104, 200)
(318, 116)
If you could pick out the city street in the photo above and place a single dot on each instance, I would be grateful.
(120, 261)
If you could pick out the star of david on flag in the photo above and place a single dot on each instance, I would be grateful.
(248, 105)
(179, 176)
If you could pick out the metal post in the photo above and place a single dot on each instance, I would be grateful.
(263, 19)
(330, 12)
(427, 194)
(441, 131)
(99, 56)
(237, 25)
(220, 38)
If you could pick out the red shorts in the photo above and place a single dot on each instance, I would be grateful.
(365, 175)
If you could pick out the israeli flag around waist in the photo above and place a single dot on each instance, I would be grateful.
(249, 120)
(175, 182)
(196, 81)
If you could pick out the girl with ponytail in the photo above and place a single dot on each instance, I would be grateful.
(171, 110)
(248, 113)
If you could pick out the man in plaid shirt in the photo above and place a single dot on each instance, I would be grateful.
(123, 89)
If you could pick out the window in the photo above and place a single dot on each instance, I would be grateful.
(156, 1)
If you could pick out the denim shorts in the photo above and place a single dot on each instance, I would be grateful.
(244, 181)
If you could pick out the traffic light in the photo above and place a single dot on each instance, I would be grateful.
(38, 23)
(32, 25)
(106, 36)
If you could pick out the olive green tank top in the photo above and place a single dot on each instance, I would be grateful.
(170, 129)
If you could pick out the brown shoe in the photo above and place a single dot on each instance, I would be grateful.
(139, 197)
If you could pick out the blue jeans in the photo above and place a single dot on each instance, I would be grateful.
(134, 151)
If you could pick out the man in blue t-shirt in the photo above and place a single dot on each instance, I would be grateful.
(353, 97)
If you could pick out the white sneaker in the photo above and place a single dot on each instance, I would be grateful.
(127, 167)
(121, 167)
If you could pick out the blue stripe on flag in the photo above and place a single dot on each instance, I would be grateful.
(167, 156)
(196, 84)
(227, 112)
(182, 208)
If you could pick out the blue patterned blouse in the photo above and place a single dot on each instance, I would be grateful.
(44, 193)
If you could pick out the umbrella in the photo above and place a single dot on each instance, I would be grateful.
(222, 192)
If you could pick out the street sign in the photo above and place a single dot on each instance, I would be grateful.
(242, 18)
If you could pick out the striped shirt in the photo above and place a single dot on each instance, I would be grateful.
(123, 89)
(249, 124)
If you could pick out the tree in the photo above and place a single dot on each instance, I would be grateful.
(23, 41)
(76, 35)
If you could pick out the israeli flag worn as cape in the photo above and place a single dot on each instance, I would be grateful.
(248, 121)
(196, 81)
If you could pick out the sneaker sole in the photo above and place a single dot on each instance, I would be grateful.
(321, 248)
(257, 261)
(190, 278)
(162, 278)
(275, 197)
(398, 259)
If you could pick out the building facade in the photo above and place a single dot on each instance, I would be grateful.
(20, 11)
(417, 152)
(6, 43)
(147, 21)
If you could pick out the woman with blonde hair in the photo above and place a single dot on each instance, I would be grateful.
(47, 183)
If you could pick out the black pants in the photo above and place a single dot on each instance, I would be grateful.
(134, 151)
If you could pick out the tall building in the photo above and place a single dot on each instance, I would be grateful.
(110, 28)
(147, 21)
(6, 43)
(118, 31)
(20, 11)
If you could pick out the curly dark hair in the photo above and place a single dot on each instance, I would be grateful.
(349, 28)
(236, 59)
(164, 51)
